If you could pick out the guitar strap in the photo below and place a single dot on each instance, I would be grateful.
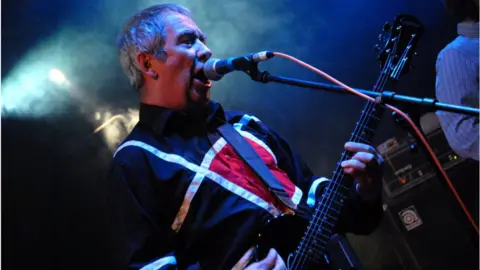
(249, 156)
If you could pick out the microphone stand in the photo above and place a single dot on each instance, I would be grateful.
(420, 105)
(385, 97)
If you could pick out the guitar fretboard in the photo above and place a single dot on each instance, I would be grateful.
(327, 210)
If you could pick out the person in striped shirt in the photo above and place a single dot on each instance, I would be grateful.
(457, 79)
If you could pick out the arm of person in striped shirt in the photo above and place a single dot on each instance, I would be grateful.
(457, 83)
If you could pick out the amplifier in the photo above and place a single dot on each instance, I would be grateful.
(424, 229)
(406, 166)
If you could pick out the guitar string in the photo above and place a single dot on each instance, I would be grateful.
(365, 117)
(339, 182)
(329, 200)
(324, 202)
(369, 107)
(336, 183)
(400, 67)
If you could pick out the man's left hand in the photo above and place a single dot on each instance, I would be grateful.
(366, 166)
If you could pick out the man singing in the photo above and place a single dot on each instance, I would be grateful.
(181, 197)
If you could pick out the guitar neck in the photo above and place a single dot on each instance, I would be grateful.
(327, 210)
(395, 58)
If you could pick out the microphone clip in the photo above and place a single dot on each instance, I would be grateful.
(251, 69)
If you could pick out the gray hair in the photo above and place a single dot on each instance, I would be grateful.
(145, 32)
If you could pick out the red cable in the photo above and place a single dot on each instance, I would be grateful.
(404, 115)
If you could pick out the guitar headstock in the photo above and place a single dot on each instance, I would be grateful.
(400, 44)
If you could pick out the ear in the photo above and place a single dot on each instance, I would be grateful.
(144, 61)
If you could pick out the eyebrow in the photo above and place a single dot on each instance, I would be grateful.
(190, 32)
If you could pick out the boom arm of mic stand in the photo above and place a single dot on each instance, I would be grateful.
(384, 97)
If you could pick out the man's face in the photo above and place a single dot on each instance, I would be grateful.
(180, 74)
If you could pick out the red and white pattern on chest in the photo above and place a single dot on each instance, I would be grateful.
(228, 164)
(223, 166)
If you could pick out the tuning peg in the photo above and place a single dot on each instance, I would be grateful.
(386, 27)
(415, 53)
(381, 38)
(377, 48)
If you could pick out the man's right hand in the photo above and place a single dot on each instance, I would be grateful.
(273, 261)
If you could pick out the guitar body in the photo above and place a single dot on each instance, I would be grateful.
(283, 233)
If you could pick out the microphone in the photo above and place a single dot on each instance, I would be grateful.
(214, 69)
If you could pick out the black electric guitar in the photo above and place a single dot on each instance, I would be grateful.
(302, 243)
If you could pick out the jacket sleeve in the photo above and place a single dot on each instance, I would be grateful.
(357, 216)
(141, 234)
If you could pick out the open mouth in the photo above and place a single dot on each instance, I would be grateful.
(200, 76)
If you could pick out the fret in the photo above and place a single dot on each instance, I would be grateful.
(328, 223)
(319, 245)
(316, 256)
(335, 210)
(358, 138)
(325, 238)
(336, 189)
(318, 240)
(331, 197)
(366, 132)
(332, 202)
(342, 189)
(318, 248)
(316, 243)
(367, 128)
(334, 196)
(371, 116)
(371, 109)
(321, 219)
(368, 124)
(338, 173)
(330, 216)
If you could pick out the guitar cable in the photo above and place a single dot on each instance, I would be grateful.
(399, 112)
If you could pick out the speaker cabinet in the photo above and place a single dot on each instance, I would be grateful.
(424, 228)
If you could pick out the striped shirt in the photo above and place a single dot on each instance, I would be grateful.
(457, 83)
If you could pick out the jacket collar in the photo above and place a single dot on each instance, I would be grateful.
(468, 29)
(161, 119)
